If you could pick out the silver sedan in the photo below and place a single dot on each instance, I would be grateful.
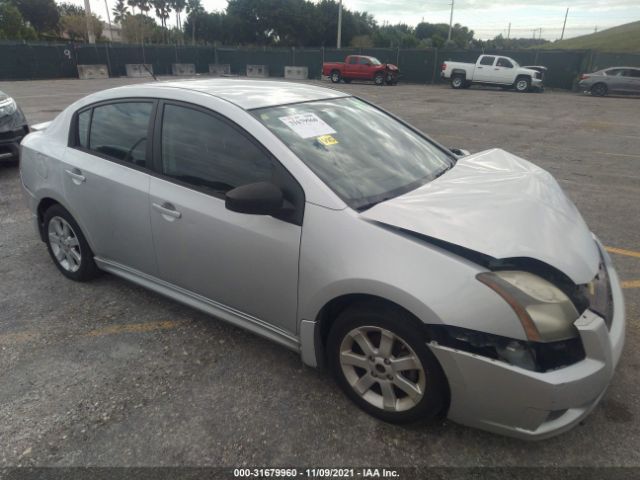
(428, 282)
(614, 80)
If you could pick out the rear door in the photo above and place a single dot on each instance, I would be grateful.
(484, 69)
(106, 172)
(351, 67)
(248, 263)
(634, 80)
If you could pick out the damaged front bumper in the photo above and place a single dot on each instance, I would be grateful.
(495, 396)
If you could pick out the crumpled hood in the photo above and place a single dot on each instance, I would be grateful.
(500, 205)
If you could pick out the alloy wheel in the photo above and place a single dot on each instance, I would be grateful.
(521, 85)
(64, 244)
(382, 368)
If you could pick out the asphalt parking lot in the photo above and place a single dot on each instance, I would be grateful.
(109, 374)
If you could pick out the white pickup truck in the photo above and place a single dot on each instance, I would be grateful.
(492, 70)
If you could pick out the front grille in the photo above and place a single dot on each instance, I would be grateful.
(12, 134)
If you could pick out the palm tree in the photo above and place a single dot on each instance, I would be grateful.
(194, 8)
(163, 9)
(132, 4)
(178, 7)
(120, 11)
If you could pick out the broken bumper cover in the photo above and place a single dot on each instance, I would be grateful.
(505, 399)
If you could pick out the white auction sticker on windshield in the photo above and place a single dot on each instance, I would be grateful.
(307, 125)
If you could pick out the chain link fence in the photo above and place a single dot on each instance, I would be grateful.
(28, 61)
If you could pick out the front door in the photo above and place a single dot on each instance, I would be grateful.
(503, 71)
(246, 262)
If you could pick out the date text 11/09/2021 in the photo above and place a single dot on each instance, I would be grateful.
(315, 473)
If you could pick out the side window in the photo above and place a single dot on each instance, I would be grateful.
(119, 130)
(364, 61)
(83, 128)
(634, 73)
(203, 150)
(503, 62)
(613, 72)
(486, 60)
(353, 60)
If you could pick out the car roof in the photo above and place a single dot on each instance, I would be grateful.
(251, 94)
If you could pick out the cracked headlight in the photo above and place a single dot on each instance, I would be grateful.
(7, 106)
(546, 313)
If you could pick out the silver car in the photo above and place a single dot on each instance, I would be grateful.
(615, 80)
(428, 283)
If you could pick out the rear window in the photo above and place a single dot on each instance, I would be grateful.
(117, 130)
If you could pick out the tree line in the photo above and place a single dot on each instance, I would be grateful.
(288, 23)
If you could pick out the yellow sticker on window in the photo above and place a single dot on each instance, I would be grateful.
(327, 140)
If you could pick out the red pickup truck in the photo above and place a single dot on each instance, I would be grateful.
(359, 67)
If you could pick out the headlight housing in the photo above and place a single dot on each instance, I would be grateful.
(8, 106)
(546, 313)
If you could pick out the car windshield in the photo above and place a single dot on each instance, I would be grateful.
(363, 154)
(374, 61)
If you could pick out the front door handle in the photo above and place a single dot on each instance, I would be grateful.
(76, 176)
(167, 209)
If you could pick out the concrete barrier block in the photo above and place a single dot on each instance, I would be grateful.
(183, 69)
(89, 72)
(296, 73)
(138, 69)
(219, 69)
(260, 71)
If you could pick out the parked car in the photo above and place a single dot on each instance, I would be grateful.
(492, 70)
(360, 67)
(615, 79)
(429, 283)
(13, 127)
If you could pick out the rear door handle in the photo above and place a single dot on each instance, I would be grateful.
(76, 175)
(167, 209)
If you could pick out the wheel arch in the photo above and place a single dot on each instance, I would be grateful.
(314, 332)
(459, 72)
(49, 199)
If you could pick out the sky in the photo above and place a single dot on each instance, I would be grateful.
(487, 18)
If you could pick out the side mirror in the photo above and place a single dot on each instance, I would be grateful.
(459, 152)
(261, 198)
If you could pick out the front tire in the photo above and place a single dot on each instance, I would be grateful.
(335, 76)
(378, 79)
(457, 81)
(522, 85)
(381, 361)
(67, 245)
(599, 90)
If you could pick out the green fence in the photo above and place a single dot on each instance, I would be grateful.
(45, 60)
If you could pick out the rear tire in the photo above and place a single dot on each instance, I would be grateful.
(599, 90)
(395, 377)
(67, 245)
(457, 81)
(335, 76)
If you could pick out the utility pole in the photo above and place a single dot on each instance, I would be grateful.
(450, 21)
(509, 31)
(87, 11)
(565, 23)
(106, 6)
(339, 41)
